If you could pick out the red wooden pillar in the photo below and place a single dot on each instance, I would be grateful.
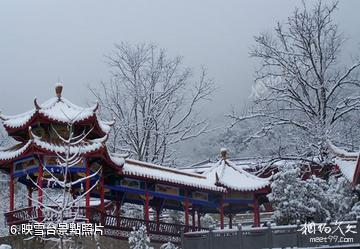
(198, 220)
(230, 220)
(11, 188)
(157, 219)
(222, 213)
(186, 212)
(193, 219)
(40, 190)
(147, 216)
(87, 187)
(29, 196)
(256, 212)
(118, 209)
(102, 197)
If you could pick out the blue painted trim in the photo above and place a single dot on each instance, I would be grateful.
(242, 201)
(161, 195)
(23, 159)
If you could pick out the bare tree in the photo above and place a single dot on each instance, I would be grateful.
(60, 205)
(154, 100)
(302, 90)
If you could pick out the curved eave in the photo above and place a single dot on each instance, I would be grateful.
(175, 183)
(33, 147)
(260, 188)
(39, 117)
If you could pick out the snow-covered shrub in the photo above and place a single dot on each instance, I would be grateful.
(132, 211)
(341, 198)
(173, 216)
(169, 245)
(312, 199)
(139, 239)
(355, 210)
(5, 246)
(296, 199)
(207, 221)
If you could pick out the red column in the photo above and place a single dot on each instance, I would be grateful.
(198, 220)
(117, 211)
(11, 186)
(186, 213)
(256, 212)
(193, 218)
(29, 196)
(230, 220)
(87, 187)
(222, 213)
(157, 218)
(102, 198)
(102, 192)
(147, 216)
(40, 190)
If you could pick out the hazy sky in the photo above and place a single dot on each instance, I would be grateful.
(42, 41)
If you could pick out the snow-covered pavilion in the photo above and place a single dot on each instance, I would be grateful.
(223, 189)
(348, 163)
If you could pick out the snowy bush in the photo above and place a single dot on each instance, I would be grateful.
(355, 211)
(132, 210)
(139, 239)
(207, 221)
(313, 199)
(341, 199)
(296, 199)
(169, 245)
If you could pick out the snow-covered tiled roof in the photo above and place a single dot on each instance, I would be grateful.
(148, 170)
(346, 161)
(59, 109)
(17, 150)
(347, 167)
(339, 152)
(14, 151)
(225, 173)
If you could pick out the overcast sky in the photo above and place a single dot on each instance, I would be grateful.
(43, 41)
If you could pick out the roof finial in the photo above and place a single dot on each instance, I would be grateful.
(37, 106)
(58, 89)
(223, 153)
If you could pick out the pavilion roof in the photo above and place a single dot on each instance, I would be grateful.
(21, 149)
(56, 109)
(348, 162)
(347, 167)
(225, 173)
(137, 168)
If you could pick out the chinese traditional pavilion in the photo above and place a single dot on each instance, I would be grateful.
(348, 163)
(223, 189)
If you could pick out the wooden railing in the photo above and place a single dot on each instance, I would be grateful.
(31, 214)
(114, 226)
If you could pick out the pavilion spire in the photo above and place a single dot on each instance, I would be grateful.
(58, 90)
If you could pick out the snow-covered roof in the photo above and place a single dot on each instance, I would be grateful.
(225, 173)
(339, 152)
(148, 170)
(348, 162)
(17, 150)
(250, 164)
(57, 109)
(347, 167)
(14, 151)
